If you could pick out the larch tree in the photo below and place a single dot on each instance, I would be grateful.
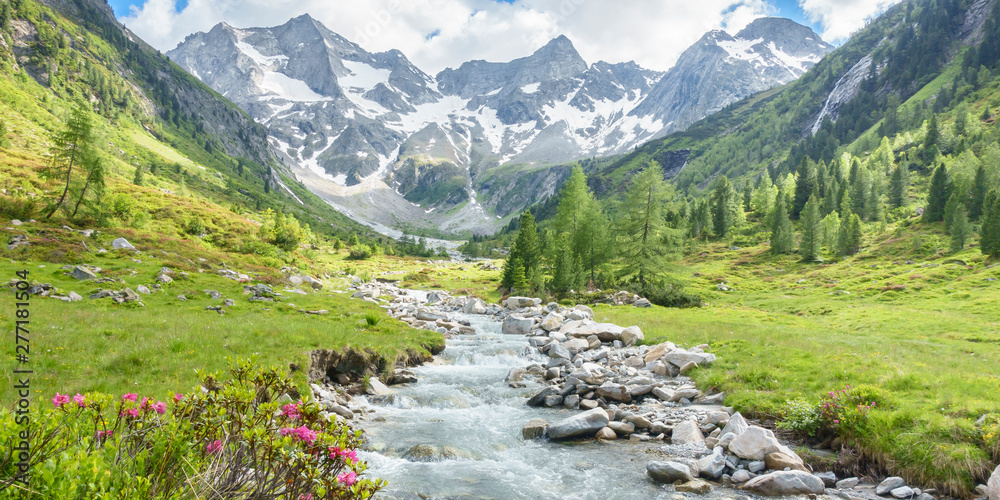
(71, 147)
(811, 248)
(937, 195)
(782, 234)
(722, 199)
(643, 225)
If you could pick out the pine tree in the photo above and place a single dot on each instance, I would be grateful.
(830, 200)
(989, 241)
(518, 283)
(937, 196)
(961, 230)
(977, 193)
(930, 151)
(580, 219)
(805, 186)
(702, 220)
(782, 234)
(527, 249)
(861, 192)
(571, 202)
(643, 226)
(812, 232)
(849, 242)
(566, 274)
(70, 147)
(747, 196)
(831, 230)
(591, 241)
(139, 178)
(722, 201)
(950, 209)
(899, 186)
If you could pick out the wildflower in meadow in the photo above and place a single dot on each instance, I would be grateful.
(80, 400)
(129, 396)
(178, 398)
(160, 407)
(60, 399)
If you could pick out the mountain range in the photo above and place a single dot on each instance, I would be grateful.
(465, 149)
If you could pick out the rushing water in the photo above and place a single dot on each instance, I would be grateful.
(463, 408)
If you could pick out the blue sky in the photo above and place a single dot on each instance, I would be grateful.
(436, 34)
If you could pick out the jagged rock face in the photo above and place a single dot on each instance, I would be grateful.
(369, 126)
(721, 69)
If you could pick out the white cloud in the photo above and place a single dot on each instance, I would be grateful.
(651, 32)
(841, 18)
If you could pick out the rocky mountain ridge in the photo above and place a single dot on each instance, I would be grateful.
(388, 143)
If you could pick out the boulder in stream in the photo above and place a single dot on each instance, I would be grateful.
(784, 483)
(583, 424)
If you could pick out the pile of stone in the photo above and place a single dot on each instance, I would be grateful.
(18, 240)
(260, 293)
(119, 297)
(233, 275)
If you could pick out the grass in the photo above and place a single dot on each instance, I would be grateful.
(96, 345)
(928, 332)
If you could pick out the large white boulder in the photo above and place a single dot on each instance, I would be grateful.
(580, 425)
(687, 432)
(993, 485)
(514, 325)
(754, 443)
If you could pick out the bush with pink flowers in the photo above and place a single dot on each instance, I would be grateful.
(241, 438)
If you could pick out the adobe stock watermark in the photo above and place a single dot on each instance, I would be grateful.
(379, 23)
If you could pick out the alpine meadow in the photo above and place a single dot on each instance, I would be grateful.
(268, 262)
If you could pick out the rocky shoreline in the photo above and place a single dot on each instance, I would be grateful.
(625, 391)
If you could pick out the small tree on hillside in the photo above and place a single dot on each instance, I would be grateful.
(722, 213)
(72, 146)
(811, 248)
(899, 186)
(805, 186)
(937, 196)
(977, 193)
(960, 230)
(782, 234)
(849, 242)
(989, 240)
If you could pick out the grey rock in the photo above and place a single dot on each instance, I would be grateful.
(741, 476)
(143, 289)
(756, 466)
(539, 399)
(993, 485)
(340, 410)
(829, 478)
(687, 432)
(643, 302)
(580, 425)
(377, 388)
(888, 484)
(754, 443)
(736, 425)
(82, 273)
(902, 492)
(163, 278)
(558, 351)
(514, 325)
(696, 486)
(74, 297)
(122, 243)
(621, 428)
(784, 483)
(632, 335)
(847, 484)
(712, 466)
(606, 434)
(668, 472)
(534, 429)
(616, 392)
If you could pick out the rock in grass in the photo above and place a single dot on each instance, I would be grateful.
(581, 425)
(122, 243)
(668, 472)
(82, 273)
(889, 484)
(785, 483)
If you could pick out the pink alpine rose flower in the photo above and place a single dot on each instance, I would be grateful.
(60, 399)
(348, 478)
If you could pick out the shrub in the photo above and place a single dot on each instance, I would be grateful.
(100, 446)
(22, 208)
(372, 318)
(801, 417)
(668, 295)
(194, 226)
(360, 252)
(417, 277)
(846, 410)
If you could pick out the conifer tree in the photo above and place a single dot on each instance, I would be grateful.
(723, 217)
(94, 168)
(782, 234)
(930, 150)
(526, 248)
(805, 186)
(830, 201)
(566, 274)
(831, 230)
(702, 220)
(899, 186)
(812, 232)
(989, 241)
(849, 242)
(72, 146)
(140, 177)
(977, 193)
(960, 230)
(937, 196)
(643, 225)
(518, 283)
(950, 209)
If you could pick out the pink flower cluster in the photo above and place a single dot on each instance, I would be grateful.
(303, 433)
(62, 399)
(348, 478)
(291, 411)
(214, 447)
(104, 434)
(145, 405)
(350, 456)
